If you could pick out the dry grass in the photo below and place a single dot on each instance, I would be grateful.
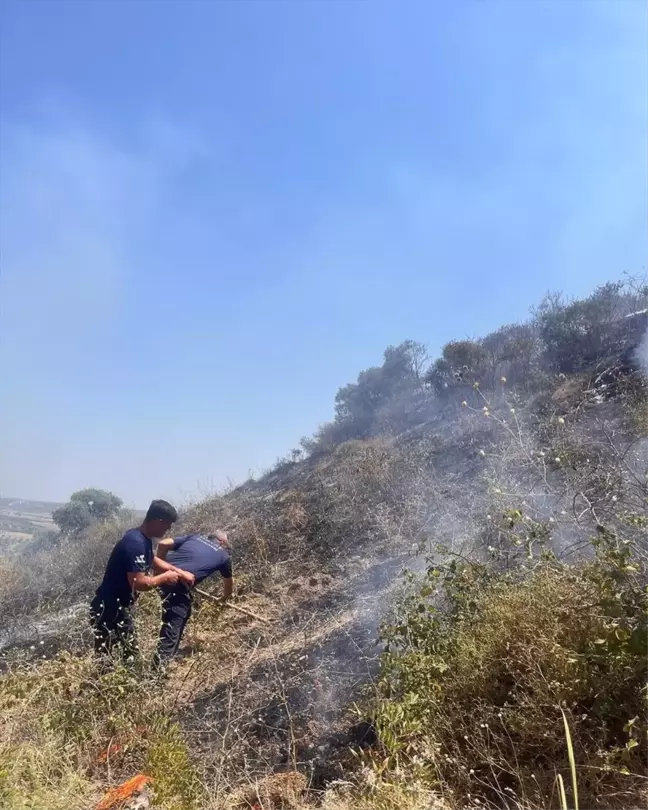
(242, 699)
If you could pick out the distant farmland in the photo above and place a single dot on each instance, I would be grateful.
(22, 520)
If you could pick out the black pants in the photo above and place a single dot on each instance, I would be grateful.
(112, 623)
(176, 610)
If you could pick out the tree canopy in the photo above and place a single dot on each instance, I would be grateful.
(357, 403)
(85, 507)
(562, 336)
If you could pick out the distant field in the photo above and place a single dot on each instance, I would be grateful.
(16, 535)
(21, 520)
(41, 508)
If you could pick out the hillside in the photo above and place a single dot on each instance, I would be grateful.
(438, 575)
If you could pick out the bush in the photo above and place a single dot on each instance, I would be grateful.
(480, 664)
(465, 355)
(513, 352)
(462, 361)
(54, 576)
(578, 334)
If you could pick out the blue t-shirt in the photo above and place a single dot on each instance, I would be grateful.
(200, 556)
(133, 554)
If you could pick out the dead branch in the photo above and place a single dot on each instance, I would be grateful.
(232, 606)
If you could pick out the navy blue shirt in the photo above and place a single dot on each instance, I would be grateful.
(133, 554)
(200, 556)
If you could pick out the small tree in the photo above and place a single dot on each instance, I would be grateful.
(72, 518)
(577, 334)
(357, 404)
(102, 505)
(85, 507)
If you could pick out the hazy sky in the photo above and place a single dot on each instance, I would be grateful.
(213, 214)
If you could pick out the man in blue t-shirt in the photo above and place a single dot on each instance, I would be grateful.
(127, 573)
(202, 556)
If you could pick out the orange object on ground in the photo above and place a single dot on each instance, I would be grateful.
(121, 793)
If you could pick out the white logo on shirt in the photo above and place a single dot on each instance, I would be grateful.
(140, 560)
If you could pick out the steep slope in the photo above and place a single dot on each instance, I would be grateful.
(492, 463)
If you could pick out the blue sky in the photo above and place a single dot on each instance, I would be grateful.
(214, 214)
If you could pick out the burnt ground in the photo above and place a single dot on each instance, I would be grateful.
(255, 699)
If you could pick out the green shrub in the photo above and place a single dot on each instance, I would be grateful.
(478, 669)
(175, 783)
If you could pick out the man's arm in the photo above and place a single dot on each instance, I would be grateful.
(134, 554)
(164, 547)
(225, 571)
(228, 587)
(143, 582)
(161, 565)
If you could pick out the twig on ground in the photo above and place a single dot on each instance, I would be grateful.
(232, 606)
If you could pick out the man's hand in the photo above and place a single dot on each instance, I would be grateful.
(187, 578)
(162, 566)
(168, 578)
(141, 582)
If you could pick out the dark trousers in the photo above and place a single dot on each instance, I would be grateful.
(176, 610)
(112, 623)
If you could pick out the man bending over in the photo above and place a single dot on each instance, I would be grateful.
(127, 573)
(202, 556)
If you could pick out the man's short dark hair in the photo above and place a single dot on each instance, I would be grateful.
(161, 510)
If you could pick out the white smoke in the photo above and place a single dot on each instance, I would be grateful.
(642, 353)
